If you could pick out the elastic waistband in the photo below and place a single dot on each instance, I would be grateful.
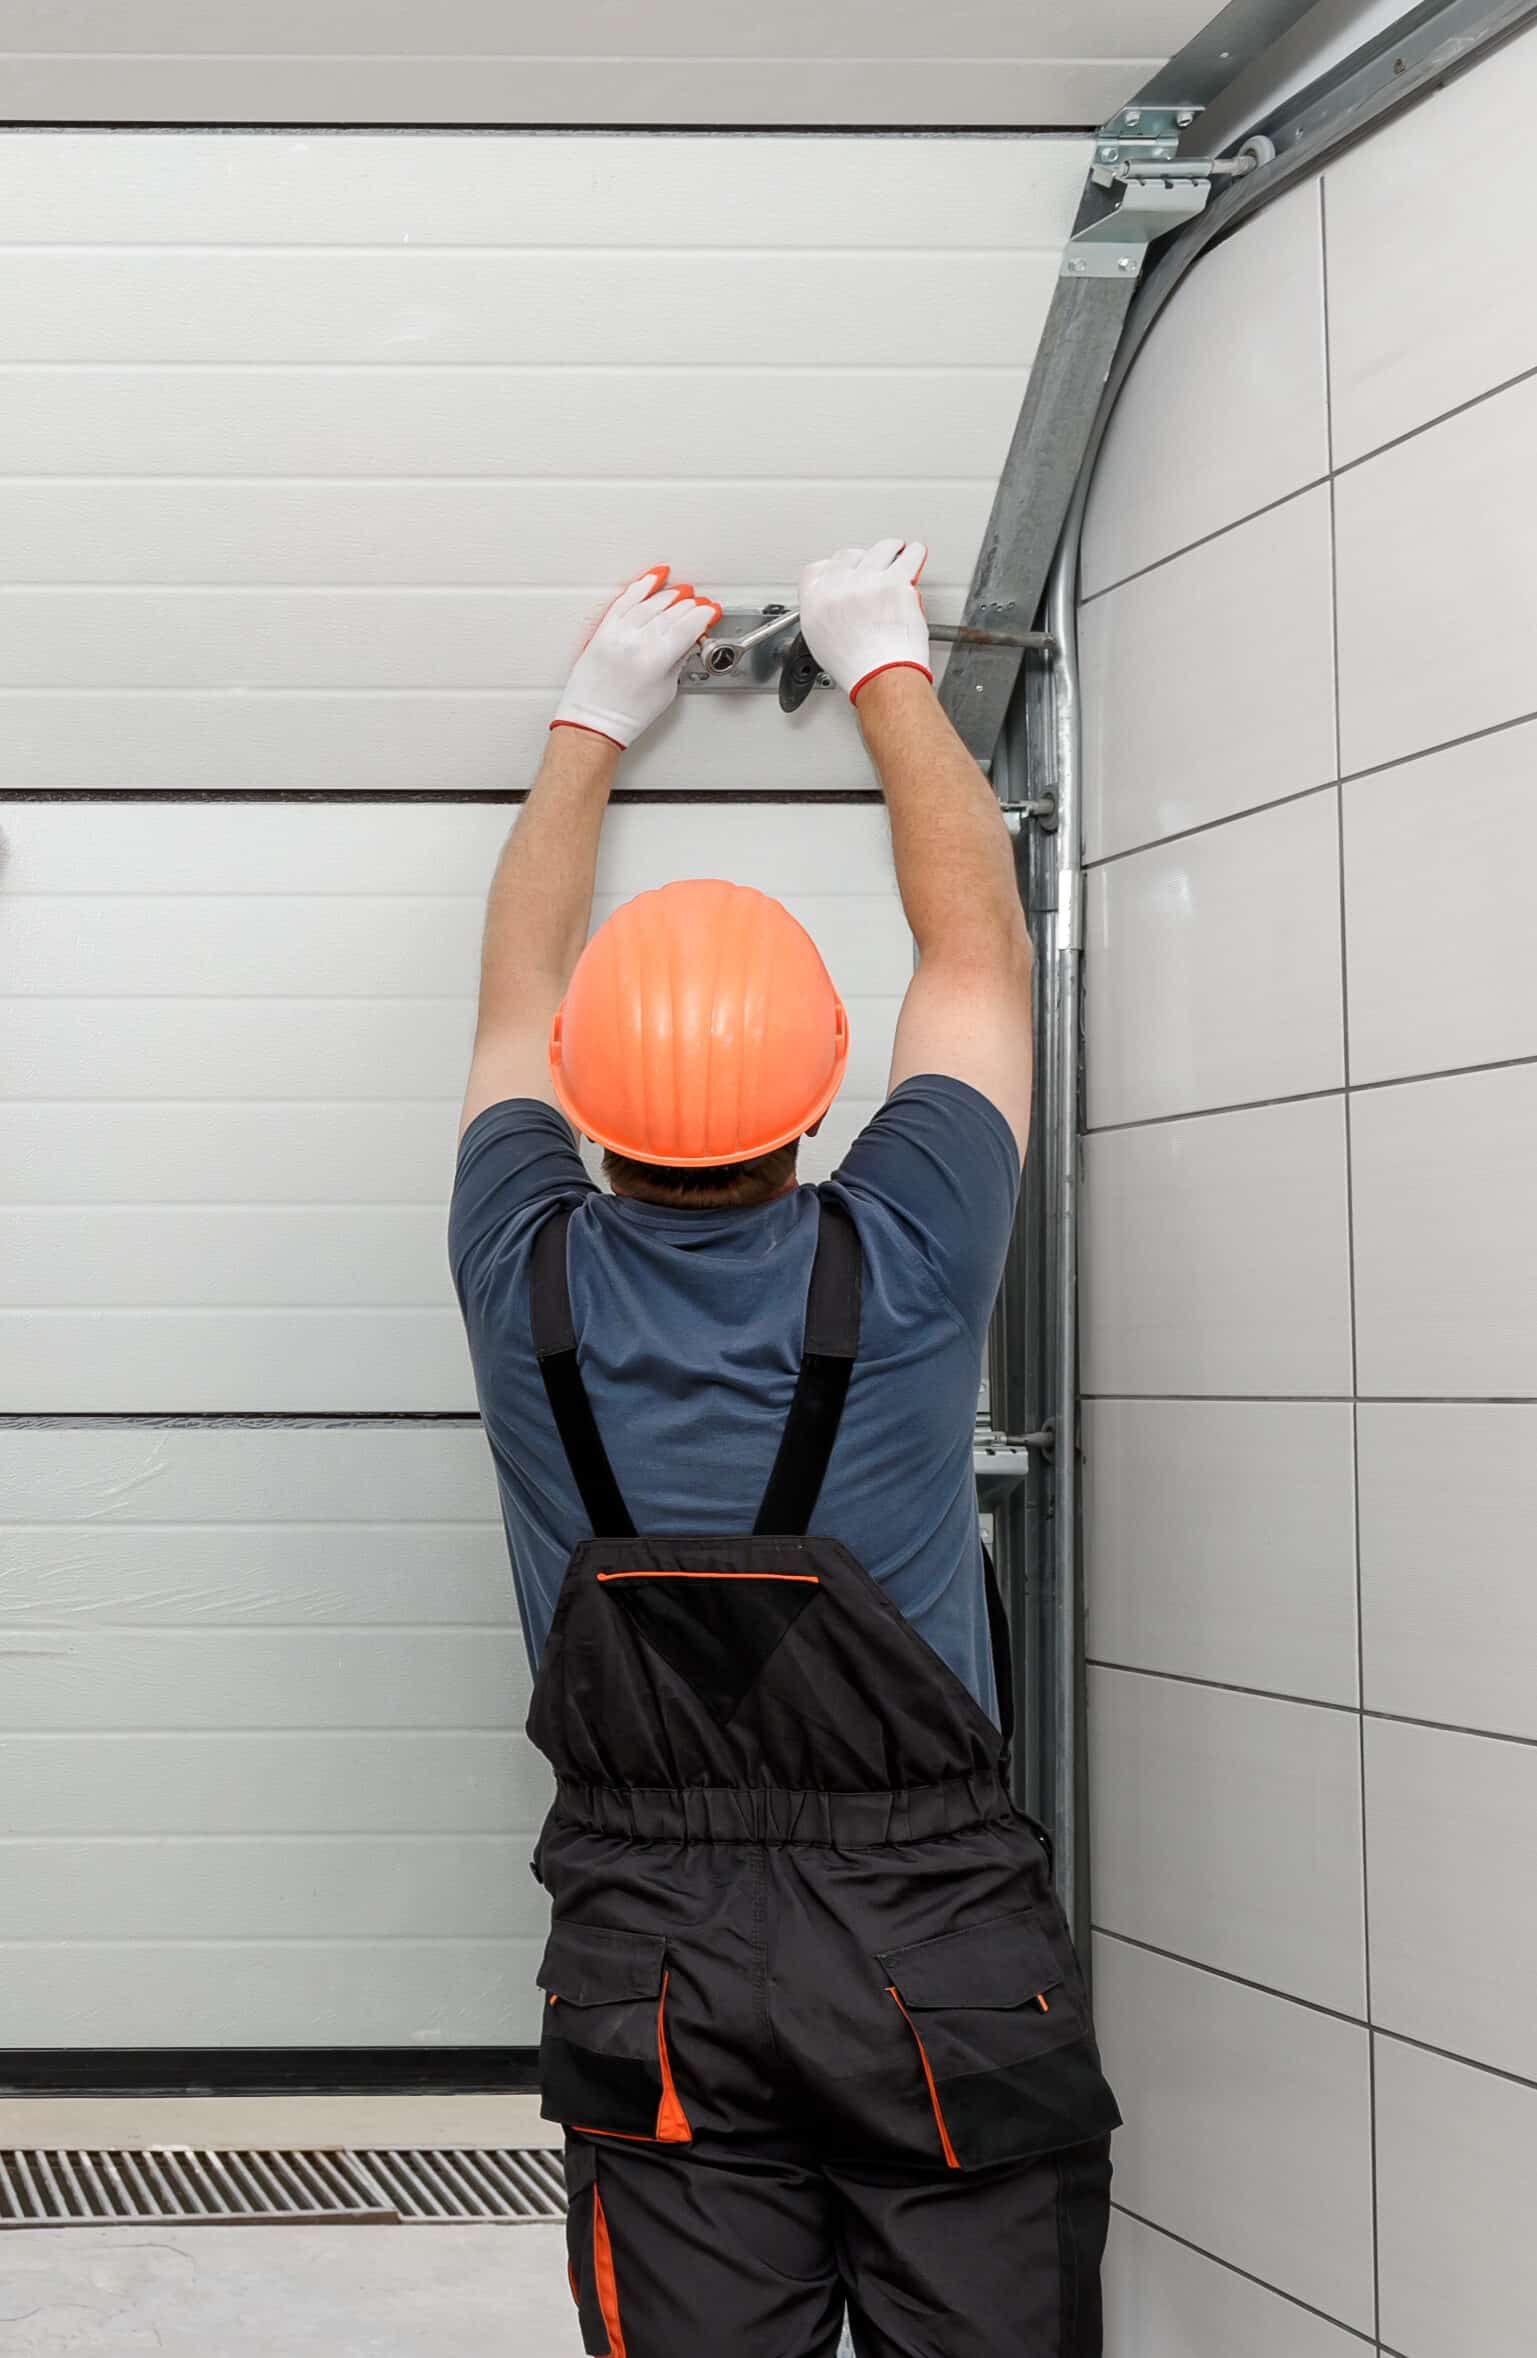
(776, 1813)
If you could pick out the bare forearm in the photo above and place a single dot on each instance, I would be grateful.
(954, 859)
(540, 903)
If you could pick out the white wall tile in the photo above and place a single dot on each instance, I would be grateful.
(1219, 1541)
(1163, 2300)
(1422, 662)
(1458, 2274)
(1445, 1246)
(1215, 1257)
(1249, 319)
(1208, 685)
(1212, 968)
(1458, 1814)
(1181, 1777)
(1247, 2125)
(1448, 1604)
(1410, 1010)
(1425, 224)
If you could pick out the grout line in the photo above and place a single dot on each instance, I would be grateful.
(1247, 2274)
(1195, 1113)
(1450, 1727)
(1252, 810)
(1201, 1113)
(1492, 2071)
(1204, 540)
(1350, 1251)
(1314, 1399)
(1266, 1989)
(1221, 1686)
(1427, 425)
(1402, 761)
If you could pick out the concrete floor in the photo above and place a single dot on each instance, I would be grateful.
(286, 2292)
(283, 2292)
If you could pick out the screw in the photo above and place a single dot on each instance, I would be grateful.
(779, 609)
(1077, 268)
(1109, 154)
(1185, 118)
(1132, 117)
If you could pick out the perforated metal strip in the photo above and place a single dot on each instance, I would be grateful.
(93, 2185)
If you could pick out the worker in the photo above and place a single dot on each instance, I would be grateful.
(811, 2017)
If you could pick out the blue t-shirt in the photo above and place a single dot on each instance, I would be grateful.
(689, 1329)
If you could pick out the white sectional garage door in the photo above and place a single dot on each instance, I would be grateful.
(320, 455)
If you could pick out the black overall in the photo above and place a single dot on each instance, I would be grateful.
(813, 2021)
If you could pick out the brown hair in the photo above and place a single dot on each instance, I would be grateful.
(703, 1188)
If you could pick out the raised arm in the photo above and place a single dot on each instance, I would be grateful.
(967, 1008)
(540, 905)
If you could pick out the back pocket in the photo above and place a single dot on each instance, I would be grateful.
(1003, 2039)
(604, 2065)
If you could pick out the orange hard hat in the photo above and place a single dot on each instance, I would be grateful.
(700, 1026)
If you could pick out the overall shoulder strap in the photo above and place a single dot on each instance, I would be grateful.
(827, 1361)
(554, 1333)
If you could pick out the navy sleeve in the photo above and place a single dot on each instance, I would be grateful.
(940, 1157)
(516, 1160)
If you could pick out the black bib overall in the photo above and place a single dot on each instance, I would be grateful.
(812, 2022)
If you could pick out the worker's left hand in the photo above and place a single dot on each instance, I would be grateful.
(627, 672)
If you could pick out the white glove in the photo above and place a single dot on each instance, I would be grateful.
(861, 613)
(627, 672)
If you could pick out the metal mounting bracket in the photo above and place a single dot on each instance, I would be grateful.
(1115, 242)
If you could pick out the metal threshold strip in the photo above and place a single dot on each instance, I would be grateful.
(198, 2186)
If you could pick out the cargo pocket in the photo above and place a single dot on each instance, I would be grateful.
(1003, 2039)
(604, 2067)
(590, 2257)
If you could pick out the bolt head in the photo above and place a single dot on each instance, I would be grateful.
(1132, 117)
(1077, 268)
(1185, 118)
(1110, 154)
(1124, 263)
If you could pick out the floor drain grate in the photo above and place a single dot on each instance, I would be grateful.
(192, 2185)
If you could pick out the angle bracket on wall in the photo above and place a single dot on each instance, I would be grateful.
(1145, 188)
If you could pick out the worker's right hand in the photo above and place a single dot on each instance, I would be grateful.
(860, 612)
(627, 672)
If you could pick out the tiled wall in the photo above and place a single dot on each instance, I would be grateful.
(1309, 1295)
(319, 455)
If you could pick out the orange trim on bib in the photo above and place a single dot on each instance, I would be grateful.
(810, 1579)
